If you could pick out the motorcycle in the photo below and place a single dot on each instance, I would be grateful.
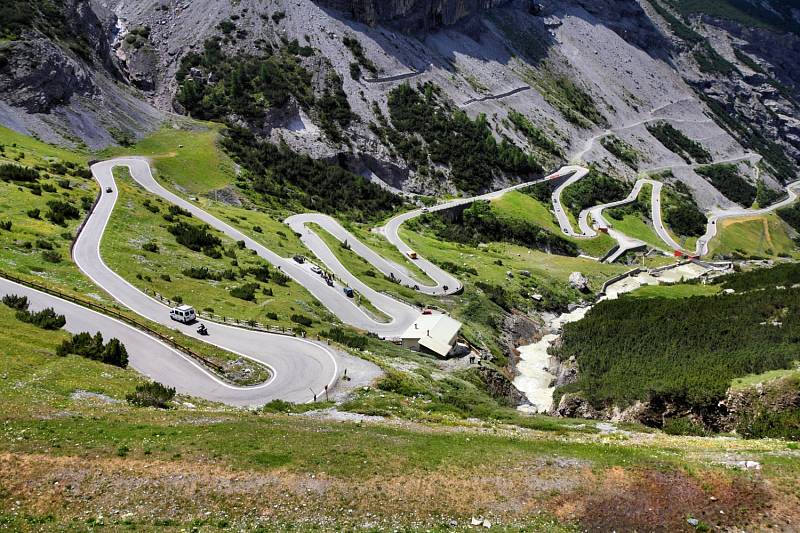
(202, 330)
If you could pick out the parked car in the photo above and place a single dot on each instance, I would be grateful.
(299, 259)
(183, 313)
(348, 292)
(316, 270)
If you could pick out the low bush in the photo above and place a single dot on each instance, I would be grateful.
(727, 180)
(197, 238)
(12, 172)
(245, 292)
(59, 212)
(677, 142)
(20, 303)
(150, 247)
(51, 256)
(45, 319)
(302, 320)
(83, 344)
(151, 394)
(352, 340)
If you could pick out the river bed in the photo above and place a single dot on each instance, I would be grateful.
(534, 380)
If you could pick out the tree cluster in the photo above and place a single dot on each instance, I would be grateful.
(677, 142)
(428, 131)
(85, 345)
(479, 223)
(726, 179)
(280, 172)
(680, 350)
(594, 189)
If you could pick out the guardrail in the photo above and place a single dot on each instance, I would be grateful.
(110, 312)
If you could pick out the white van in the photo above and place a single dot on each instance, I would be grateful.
(183, 313)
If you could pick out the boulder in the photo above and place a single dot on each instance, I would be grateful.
(579, 282)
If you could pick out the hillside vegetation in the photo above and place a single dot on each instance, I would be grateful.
(684, 351)
(449, 137)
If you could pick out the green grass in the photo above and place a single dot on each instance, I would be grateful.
(547, 270)
(763, 236)
(754, 379)
(185, 154)
(674, 291)
(634, 226)
(132, 225)
(46, 381)
(521, 206)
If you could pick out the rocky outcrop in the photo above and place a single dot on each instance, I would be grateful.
(38, 72)
(628, 20)
(413, 15)
(500, 387)
(37, 75)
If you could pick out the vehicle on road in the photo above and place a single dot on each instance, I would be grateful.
(329, 281)
(427, 312)
(349, 292)
(425, 209)
(411, 254)
(183, 313)
(316, 270)
(299, 259)
(108, 189)
(202, 330)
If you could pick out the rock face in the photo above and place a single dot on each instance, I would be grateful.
(413, 15)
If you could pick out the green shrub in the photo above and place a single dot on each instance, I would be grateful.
(594, 189)
(51, 256)
(684, 426)
(197, 238)
(681, 350)
(59, 212)
(536, 137)
(83, 344)
(150, 246)
(453, 139)
(19, 303)
(621, 150)
(479, 223)
(676, 141)
(245, 292)
(302, 320)
(12, 172)
(726, 179)
(151, 394)
(34, 213)
(353, 340)
(45, 319)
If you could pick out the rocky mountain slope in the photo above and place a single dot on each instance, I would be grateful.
(557, 79)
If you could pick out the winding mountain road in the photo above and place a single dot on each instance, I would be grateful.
(300, 368)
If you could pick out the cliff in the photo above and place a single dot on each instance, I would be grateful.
(413, 15)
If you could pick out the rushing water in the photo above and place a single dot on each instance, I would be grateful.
(534, 380)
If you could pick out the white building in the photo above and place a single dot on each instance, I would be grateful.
(434, 333)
